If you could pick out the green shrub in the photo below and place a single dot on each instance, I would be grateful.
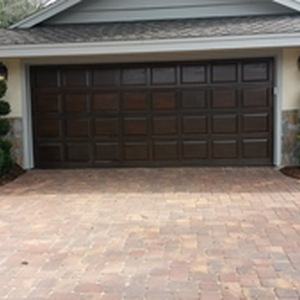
(5, 145)
(1, 161)
(6, 161)
(3, 87)
(4, 108)
(4, 127)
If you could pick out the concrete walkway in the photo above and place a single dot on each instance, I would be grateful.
(203, 233)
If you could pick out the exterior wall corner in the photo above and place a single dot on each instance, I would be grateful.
(15, 98)
(290, 107)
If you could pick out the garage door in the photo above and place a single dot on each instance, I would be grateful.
(173, 114)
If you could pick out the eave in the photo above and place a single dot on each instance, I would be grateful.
(151, 46)
(293, 4)
(44, 14)
(62, 5)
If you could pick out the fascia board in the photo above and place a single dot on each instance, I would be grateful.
(293, 4)
(153, 46)
(45, 14)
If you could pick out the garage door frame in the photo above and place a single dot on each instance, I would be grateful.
(276, 55)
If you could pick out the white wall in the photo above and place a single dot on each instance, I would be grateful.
(290, 79)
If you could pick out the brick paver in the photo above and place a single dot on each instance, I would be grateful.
(203, 233)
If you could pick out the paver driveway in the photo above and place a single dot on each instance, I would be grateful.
(206, 234)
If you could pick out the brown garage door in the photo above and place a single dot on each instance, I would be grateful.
(197, 113)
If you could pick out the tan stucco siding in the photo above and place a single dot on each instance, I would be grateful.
(14, 91)
(290, 79)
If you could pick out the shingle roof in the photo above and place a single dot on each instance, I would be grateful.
(152, 30)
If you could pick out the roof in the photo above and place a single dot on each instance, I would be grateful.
(293, 4)
(60, 6)
(152, 30)
(46, 13)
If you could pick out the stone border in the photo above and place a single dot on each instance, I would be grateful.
(16, 137)
(290, 143)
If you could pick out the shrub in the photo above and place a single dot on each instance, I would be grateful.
(5, 145)
(6, 161)
(3, 88)
(4, 127)
(1, 161)
(4, 108)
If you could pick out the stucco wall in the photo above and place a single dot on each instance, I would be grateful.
(14, 97)
(290, 79)
(14, 93)
(290, 92)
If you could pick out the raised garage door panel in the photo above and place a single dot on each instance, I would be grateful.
(160, 114)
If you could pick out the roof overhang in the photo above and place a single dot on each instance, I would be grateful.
(44, 14)
(61, 5)
(151, 46)
(293, 4)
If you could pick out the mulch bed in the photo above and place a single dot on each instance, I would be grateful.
(293, 172)
(15, 172)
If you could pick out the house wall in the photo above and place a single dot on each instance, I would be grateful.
(288, 88)
(290, 106)
(14, 93)
(15, 98)
(291, 79)
(91, 11)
